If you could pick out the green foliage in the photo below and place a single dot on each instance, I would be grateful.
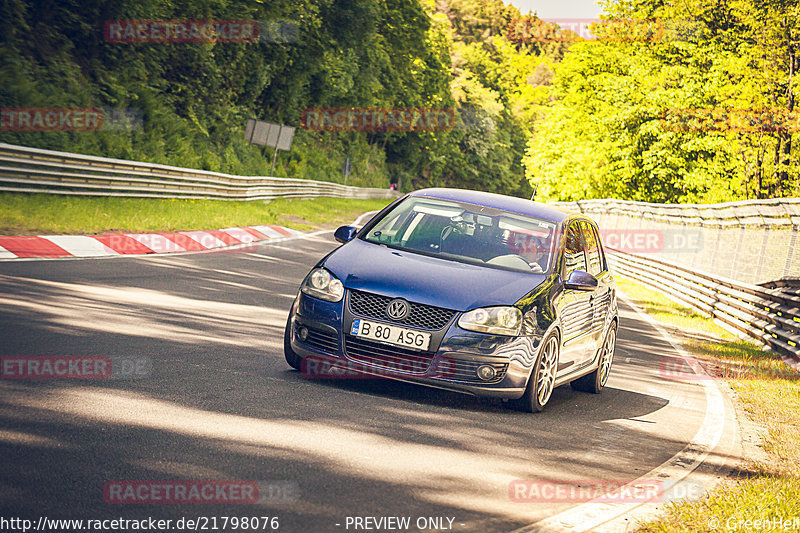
(626, 119)
(653, 109)
(491, 90)
(768, 390)
(195, 98)
(48, 214)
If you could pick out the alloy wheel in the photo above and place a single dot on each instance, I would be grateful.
(608, 355)
(547, 371)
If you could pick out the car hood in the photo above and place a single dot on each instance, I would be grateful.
(429, 280)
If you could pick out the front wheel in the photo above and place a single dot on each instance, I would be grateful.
(595, 381)
(292, 358)
(543, 377)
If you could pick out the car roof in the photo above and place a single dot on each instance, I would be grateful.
(498, 201)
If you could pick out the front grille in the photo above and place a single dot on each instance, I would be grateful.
(322, 341)
(419, 315)
(388, 357)
(466, 371)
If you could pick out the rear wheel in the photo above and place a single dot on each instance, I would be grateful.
(292, 358)
(542, 380)
(595, 381)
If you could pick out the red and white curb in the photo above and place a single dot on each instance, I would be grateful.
(55, 246)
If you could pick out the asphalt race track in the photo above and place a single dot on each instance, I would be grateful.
(213, 400)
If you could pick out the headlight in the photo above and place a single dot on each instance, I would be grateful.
(498, 320)
(322, 284)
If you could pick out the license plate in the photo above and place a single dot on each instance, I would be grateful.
(407, 338)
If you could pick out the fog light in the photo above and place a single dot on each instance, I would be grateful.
(486, 372)
(303, 334)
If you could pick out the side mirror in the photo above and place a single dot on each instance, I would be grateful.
(345, 234)
(581, 281)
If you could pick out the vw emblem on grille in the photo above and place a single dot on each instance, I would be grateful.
(397, 309)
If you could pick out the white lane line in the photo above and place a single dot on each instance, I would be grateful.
(80, 245)
(673, 474)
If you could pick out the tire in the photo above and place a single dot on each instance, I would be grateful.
(543, 375)
(595, 381)
(294, 360)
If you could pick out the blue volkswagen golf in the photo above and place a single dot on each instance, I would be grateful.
(462, 290)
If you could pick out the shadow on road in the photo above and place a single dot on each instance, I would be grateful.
(219, 403)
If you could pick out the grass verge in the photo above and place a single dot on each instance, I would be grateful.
(765, 488)
(48, 214)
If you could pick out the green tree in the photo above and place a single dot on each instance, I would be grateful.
(652, 109)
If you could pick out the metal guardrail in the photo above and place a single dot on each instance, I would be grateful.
(740, 245)
(769, 313)
(24, 169)
(753, 241)
(775, 212)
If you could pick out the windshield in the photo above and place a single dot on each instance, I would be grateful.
(467, 233)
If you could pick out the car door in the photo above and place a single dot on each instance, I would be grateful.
(601, 296)
(574, 307)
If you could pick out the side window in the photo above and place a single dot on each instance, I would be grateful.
(574, 251)
(592, 249)
(603, 260)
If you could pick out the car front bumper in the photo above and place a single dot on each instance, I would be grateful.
(329, 351)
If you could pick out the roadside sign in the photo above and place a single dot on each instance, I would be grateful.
(268, 134)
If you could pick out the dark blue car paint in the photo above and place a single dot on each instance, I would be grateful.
(459, 286)
(365, 266)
